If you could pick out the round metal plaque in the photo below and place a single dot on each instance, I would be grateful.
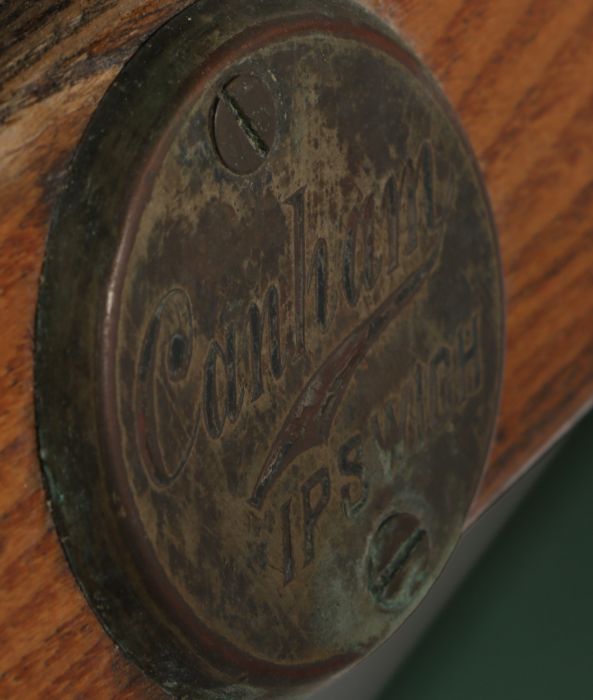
(269, 346)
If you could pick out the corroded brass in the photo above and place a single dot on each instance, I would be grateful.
(268, 348)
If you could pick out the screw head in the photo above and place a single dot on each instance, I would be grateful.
(244, 124)
(398, 561)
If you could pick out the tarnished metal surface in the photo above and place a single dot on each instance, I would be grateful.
(269, 346)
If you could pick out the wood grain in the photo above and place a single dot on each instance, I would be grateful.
(518, 73)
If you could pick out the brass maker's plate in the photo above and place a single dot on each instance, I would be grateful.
(269, 346)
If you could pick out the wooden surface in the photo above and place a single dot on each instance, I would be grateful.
(519, 74)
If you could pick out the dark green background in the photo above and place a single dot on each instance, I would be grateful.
(521, 625)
